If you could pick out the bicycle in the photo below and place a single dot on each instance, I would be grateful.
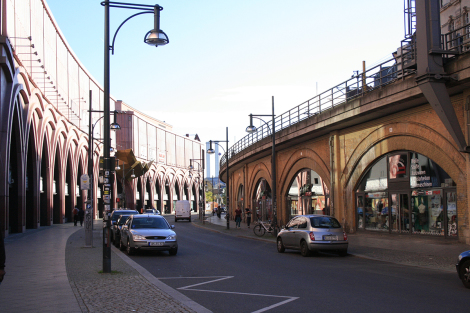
(260, 228)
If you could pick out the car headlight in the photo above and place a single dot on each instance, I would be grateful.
(139, 237)
(171, 237)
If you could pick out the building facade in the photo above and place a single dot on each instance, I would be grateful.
(45, 96)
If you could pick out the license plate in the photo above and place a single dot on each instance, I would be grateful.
(331, 238)
(155, 243)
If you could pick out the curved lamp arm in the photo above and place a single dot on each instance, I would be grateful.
(115, 34)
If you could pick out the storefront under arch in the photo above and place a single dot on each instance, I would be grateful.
(307, 194)
(408, 193)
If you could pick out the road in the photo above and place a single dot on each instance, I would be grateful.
(230, 274)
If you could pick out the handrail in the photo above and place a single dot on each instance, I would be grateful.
(399, 66)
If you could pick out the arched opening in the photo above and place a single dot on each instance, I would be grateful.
(31, 219)
(262, 201)
(148, 190)
(44, 185)
(406, 192)
(56, 191)
(186, 194)
(15, 224)
(241, 197)
(307, 194)
(70, 194)
(166, 198)
(157, 197)
(176, 195)
(194, 197)
(78, 193)
(139, 196)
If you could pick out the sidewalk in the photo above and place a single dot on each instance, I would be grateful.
(423, 251)
(49, 270)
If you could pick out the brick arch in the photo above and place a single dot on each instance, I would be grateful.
(415, 137)
(302, 159)
(405, 136)
(261, 171)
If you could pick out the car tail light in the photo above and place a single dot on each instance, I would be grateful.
(345, 237)
(312, 236)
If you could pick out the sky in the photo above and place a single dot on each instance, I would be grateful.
(226, 59)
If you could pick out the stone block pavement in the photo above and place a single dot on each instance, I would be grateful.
(50, 270)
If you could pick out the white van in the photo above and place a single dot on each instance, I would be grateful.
(182, 210)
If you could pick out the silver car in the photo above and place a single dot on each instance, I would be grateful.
(312, 233)
(148, 232)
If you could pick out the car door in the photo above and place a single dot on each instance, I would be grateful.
(289, 232)
(301, 231)
(125, 230)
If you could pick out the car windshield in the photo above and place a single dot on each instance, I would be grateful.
(324, 222)
(157, 223)
(117, 214)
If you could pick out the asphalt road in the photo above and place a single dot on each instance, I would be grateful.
(231, 274)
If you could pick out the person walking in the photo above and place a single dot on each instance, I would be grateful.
(81, 216)
(75, 216)
(2, 256)
(238, 217)
(248, 216)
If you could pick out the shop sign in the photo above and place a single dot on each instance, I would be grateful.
(376, 195)
(419, 178)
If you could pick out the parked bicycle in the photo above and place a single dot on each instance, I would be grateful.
(262, 227)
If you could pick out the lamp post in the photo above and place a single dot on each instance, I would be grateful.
(211, 151)
(252, 129)
(154, 37)
(91, 202)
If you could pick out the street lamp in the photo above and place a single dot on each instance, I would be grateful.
(90, 204)
(154, 37)
(252, 129)
(211, 151)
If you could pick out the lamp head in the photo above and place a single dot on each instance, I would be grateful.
(210, 150)
(251, 129)
(132, 175)
(156, 38)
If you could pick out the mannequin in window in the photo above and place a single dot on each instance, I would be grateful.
(421, 216)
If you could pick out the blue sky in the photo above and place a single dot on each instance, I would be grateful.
(226, 59)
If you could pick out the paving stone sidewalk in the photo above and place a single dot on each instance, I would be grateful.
(124, 290)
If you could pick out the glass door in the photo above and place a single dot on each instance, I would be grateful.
(399, 215)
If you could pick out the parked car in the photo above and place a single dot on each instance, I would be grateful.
(115, 216)
(148, 232)
(463, 268)
(116, 213)
(312, 233)
(152, 211)
(116, 229)
(182, 210)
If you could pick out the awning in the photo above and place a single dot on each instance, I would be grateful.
(129, 163)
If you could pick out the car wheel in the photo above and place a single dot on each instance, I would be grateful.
(173, 251)
(343, 252)
(176, 220)
(280, 246)
(465, 273)
(130, 251)
(190, 219)
(304, 251)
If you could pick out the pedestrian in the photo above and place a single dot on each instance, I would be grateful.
(75, 216)
(248, 216)
(2, 255)
(238, 217)
(81, 216)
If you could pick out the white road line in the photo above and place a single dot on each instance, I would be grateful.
(219, 278)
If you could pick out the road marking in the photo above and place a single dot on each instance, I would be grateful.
(219, 278)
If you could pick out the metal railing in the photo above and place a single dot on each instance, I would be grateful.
(399, 66)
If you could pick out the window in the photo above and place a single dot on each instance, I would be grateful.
(303, 223)
(324, 222)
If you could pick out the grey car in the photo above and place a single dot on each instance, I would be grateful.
(148, 232)
(312, 233)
